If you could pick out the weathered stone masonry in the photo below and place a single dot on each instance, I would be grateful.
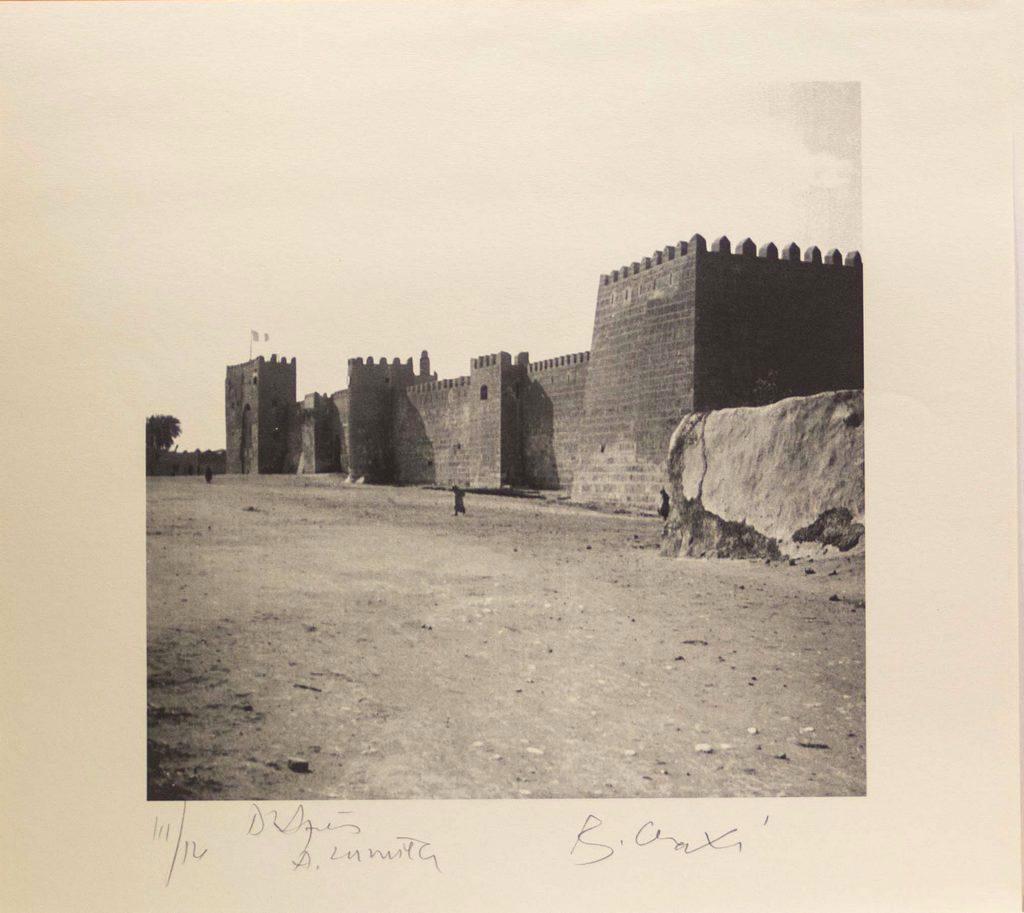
(690, 328)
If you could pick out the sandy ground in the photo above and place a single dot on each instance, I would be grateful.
(528, 649)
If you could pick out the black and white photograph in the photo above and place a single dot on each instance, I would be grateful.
(431, 518)
(581, 466)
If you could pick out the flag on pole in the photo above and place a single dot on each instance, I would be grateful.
(255, 336)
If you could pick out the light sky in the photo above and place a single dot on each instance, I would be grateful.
(360, 180)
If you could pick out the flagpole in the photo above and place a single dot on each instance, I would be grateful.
(250, 345)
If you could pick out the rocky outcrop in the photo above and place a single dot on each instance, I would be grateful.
(769, 481)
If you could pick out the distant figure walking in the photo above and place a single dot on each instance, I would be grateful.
(663, 510)
(460, 500)
(209, 475)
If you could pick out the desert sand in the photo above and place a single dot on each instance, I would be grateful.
(530, 649)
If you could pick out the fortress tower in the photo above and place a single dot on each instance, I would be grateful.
(260, 411)
(692, 328)
(368, 413)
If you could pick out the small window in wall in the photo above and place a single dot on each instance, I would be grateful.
(483, 392)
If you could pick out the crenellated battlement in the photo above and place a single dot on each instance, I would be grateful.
(493, 360)
(434, 385)
(381, 368)
(490, 361)
(722, 246)
(261, 360)
(561, 361)
(313, 401)
(659, 257)
(380, 363)
(282, 361)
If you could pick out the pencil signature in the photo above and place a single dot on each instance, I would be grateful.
(589, 850)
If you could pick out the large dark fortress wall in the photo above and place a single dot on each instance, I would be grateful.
(772, 325)
(689, 328)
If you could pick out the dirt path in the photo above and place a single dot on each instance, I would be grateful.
(527, 649)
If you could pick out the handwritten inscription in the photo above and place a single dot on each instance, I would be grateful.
(344, 841)
(184, 848)
(311, 840)
(594, 844)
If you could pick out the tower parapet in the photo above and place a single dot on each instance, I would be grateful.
(722, 246)
(490, 361)
(381, 370)
(560, 361)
